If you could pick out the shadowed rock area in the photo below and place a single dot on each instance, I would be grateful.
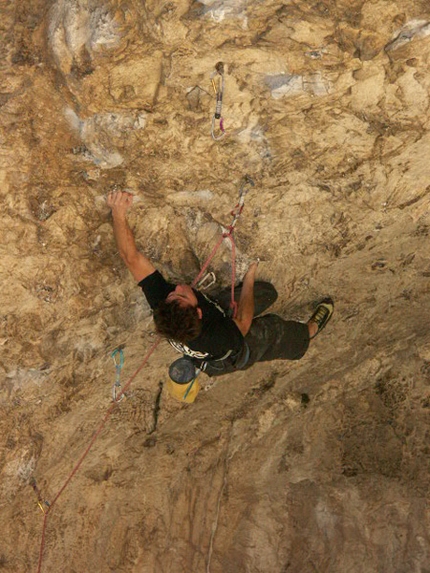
(316, 466)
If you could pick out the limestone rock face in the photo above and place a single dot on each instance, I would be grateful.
(320, 465)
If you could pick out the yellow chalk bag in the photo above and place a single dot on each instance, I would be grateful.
(183, 385)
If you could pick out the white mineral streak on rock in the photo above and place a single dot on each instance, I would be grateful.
(26, 468)
(414, 29)
(326, 519)
(23, 377)
(221, 9)
(104, 30)
(189, 197)
(17, 472)
(285, 84)
(68, 31)
(73, 26)
(100, 131)
(254, 133)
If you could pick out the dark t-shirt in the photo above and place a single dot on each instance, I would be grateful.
(219, 338)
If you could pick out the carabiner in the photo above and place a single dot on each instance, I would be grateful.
(118, 360)
(237, 211)
(219, 92)
(207, 281)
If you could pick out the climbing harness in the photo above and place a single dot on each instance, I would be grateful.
(44, 505)
(219, 92)
(118, 360)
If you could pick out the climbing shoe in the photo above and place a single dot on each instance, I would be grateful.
(322, 314)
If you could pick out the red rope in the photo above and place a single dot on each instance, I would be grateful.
(42, 544)
(209, 259)
(228, 235)
(233, 303)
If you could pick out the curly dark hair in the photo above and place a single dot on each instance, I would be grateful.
(180, 323)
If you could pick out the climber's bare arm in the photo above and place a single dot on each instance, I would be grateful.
(139, 266)
(245, 309)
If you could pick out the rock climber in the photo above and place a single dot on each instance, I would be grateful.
(200, 327)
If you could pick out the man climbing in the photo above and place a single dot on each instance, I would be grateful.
(199, 326)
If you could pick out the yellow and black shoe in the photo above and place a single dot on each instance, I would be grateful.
(322, 314)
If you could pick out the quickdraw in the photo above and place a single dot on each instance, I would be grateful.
(43, 504)
(219, 92)
(237, 211)
(228, 234)
(118, 360)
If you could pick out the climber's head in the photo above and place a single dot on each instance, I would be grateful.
(178, 317)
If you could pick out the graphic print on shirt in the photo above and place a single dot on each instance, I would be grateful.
(183, 348)
(214, 303)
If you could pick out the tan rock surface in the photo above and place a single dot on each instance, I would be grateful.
(320, 465)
